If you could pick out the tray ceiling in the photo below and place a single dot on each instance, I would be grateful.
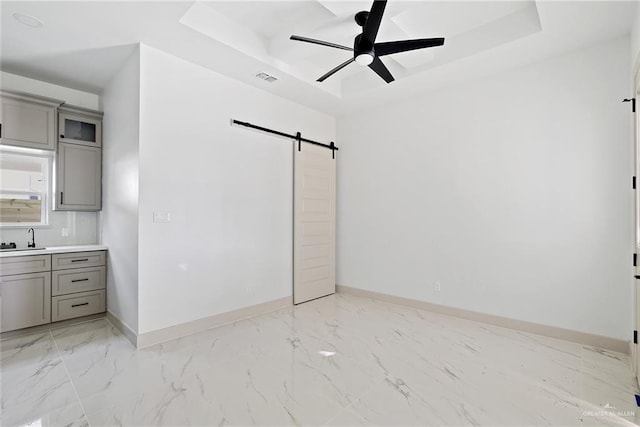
(82, 44)
(469, 28)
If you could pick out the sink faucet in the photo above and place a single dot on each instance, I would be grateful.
(32, 244)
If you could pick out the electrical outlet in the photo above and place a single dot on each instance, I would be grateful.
(161, 217)
(65, 232)
(437, 287)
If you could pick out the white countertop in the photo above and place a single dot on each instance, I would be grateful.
(53, 250)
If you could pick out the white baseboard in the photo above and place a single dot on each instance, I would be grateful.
(123, 327)
(593, 340)
(148, 339)
(633, 360)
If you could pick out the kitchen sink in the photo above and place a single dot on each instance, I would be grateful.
(21, 249)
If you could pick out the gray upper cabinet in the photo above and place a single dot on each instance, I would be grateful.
(78, 166)
(78, 178)
(28, 121)
(80, 126)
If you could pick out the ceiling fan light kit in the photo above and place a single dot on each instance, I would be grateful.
(364, 59)
(366, 51)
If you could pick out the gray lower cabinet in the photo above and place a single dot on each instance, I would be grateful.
(25, 292)
(40, 289)
(28, 121)
(78, 178)
(25, 300)
(78, 284)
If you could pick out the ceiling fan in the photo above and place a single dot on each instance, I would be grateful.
(365, 49)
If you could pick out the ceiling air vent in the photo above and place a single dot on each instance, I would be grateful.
(266, 77)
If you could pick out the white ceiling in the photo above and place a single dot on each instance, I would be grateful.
(82, 44)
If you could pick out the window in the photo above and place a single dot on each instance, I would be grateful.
(24, 188)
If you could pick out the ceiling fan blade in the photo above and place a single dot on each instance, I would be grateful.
(320, 42)
(387, 48)
(335, 70)
(381, 70)
(370, 30)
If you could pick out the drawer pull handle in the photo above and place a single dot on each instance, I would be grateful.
(80, 260)
(78, 305)
(79, 280)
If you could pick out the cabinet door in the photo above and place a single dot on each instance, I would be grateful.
(80, 130)
(78, 178)
(26, 300)
(27, 124)
(635, 354)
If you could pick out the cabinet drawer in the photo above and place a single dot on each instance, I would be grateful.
(77, 280)
(78, 260)
(25, 264)
(76, 305)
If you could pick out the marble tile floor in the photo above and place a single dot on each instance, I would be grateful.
(337, 361)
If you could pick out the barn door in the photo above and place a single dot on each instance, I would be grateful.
(314, 222)
(635, 353)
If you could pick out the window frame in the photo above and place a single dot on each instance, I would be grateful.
(46, 158)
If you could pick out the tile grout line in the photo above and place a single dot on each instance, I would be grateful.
(73, 386)
(343, 410)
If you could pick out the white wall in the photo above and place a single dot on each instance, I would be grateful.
(513, 192)
(228, 191)
(82, 226)
(635, 40)
(119, 216)
(70, 96)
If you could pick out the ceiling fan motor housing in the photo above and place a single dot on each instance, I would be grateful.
(361, 17)
(363, 46)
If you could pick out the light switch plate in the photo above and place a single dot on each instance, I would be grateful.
(65, 232)
(161, 217)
